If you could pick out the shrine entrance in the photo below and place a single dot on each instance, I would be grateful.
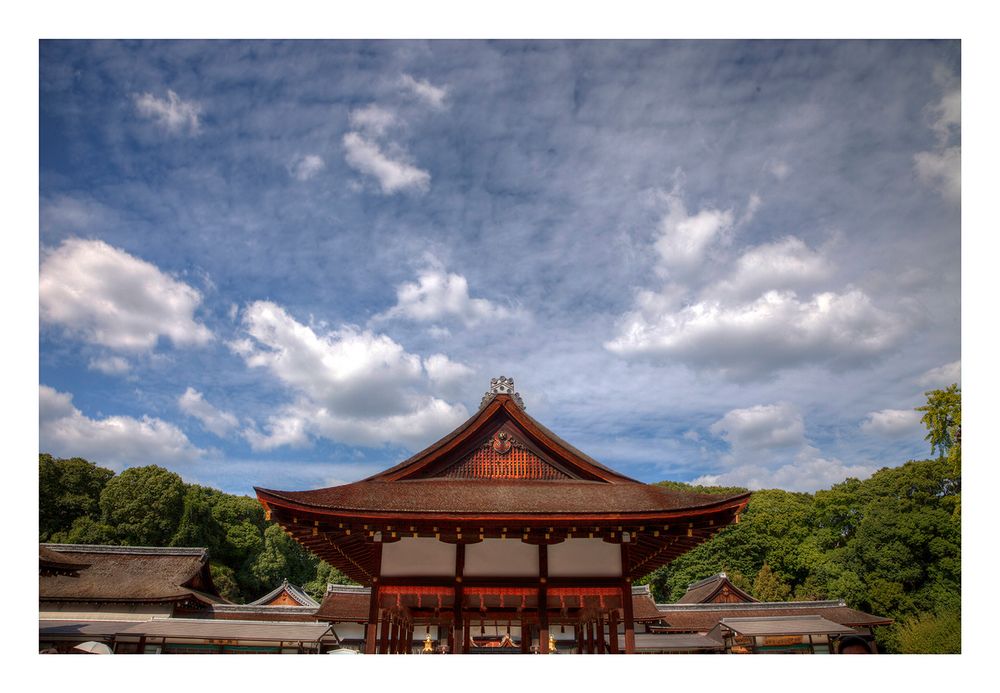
(499, 619)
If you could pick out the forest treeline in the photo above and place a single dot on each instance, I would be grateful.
(889, 545)
(82, 503)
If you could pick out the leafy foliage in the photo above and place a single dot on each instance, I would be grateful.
(67, 490)
(939, 633)
(144, 505)
(81, 503)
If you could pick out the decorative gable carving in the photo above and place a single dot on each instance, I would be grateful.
(502, 457)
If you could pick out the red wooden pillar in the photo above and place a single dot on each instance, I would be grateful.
(525, 637)
(467, 631)
(627, 603)
(394, 636)
(383, 636)
(372, 626)
(543, 599)
(578, 628)
(590, 637)
(613, 631)
(460, 634)
(599, 624)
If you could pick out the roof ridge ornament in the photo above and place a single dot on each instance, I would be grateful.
(502, 386)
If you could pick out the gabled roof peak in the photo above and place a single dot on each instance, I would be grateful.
(501, 386)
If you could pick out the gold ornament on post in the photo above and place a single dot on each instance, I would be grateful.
(428, 644)
(552, 643)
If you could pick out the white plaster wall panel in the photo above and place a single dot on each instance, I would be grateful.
(585, 558)
(416, 556)
(501, 558)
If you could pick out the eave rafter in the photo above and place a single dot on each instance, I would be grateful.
(348, 543)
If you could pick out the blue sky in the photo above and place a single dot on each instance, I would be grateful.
(291, 264)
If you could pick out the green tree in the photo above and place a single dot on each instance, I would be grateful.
(943, 419)
(768, 587)
(326, 574)
(86, 530)
(144, 505)
(281, 558)
(930, 633)
(224, 579)
(198, 526)
(67, 490)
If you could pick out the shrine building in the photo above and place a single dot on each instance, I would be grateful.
(500, 525)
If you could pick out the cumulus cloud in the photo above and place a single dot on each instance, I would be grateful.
(393, 174)
(785, 264)
(767, 312)
(350, 385)
(753, 340)
(810, 473)
(173, 114)
(302, 168)
(214, 420)
(439, 295)
(941, 168)
(685, 238)
(892, 423)
(761, 426)
(768, 448)
(372, 119)
(108, 297)
(424, 90)
(942, 376)
(118, 440)
(369, 151)
(109, 365)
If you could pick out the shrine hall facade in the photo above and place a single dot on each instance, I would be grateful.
(499, 522)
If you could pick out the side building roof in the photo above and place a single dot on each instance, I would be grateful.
(132, 574)
(714, 589)
(293, 592)
(694, 618)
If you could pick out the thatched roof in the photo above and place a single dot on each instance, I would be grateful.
(131, 574)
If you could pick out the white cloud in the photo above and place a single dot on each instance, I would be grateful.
(109, 297)
(350, 385)
(947, 115)
(372, 120)
(109, 365)
(446, 375)
(756, 339)
(785, 264)
(214, 420)
(117, 440)
(302, 168)
(761, 427)
(891, 423)
(393, 175)
(942, 376)
(684, 238)
(807, 474)
(942, 170)
(769, 449)
(777, 168)
(433, 96)
(173, 114)
(440, 295)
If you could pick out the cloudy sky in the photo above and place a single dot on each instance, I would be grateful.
(292, 264)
